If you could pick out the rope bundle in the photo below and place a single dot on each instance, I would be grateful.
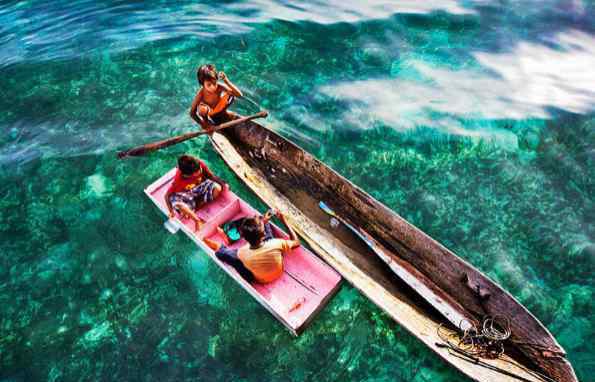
(474, 344)
(485, 342)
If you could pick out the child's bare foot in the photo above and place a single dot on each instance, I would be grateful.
(211, 244)
(197, 225)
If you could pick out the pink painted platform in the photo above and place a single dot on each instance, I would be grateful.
(307, 282)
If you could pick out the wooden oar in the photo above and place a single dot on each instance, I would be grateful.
(150, 147)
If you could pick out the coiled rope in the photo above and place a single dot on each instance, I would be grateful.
(486, 341)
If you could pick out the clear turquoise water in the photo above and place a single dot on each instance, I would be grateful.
(474, 120)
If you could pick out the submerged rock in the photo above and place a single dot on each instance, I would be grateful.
(98, 334)
(213, 342)
(97, 186)
(578, 332)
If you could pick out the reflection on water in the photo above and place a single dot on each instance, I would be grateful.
(472, 119)
(41, 30)
(526, 82)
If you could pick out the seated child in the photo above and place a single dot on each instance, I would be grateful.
(261, 259)
(213, 98)
(193, 186)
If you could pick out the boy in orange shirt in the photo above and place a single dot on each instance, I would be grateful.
(261, 259)
(194, 185)
(213, 98)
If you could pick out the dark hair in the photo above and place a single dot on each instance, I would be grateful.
(206, 72)
(252, 230)
(188, 164)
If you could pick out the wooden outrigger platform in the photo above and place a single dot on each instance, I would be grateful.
(418, 282)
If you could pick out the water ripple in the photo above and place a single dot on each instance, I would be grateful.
(45, 30)
(527, 82)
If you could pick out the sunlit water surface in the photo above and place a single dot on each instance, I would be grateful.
(472, 119)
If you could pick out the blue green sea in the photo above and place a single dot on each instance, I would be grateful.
(474, 120)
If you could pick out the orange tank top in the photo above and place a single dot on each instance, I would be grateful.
(265, 262)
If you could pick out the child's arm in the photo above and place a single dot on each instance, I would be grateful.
(210, 175)
(234, 89)
(269, 215)
(194, 107)
(293, 238)
(168, 203)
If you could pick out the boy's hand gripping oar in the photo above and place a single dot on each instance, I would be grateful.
(150, 147)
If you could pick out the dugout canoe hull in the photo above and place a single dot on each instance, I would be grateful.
(290, 179)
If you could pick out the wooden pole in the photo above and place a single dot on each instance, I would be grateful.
(150, 147)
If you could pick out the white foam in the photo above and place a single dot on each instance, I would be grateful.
(523, 83)
(334, 11)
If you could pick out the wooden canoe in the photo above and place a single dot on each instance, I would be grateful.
(297, 296)
(290, 179)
